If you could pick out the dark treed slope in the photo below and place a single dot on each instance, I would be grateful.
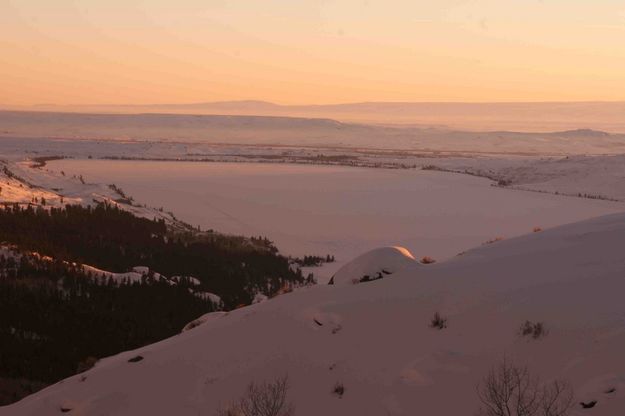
(109, 238)
(56, 319)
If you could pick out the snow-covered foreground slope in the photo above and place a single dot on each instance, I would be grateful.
(375, 338)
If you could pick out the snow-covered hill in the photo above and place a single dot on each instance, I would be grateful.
(23, 184)
(374, 338)
(373, 265)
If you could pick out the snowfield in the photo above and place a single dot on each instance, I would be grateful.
(339, 210)
(375, 338)
(560, 139)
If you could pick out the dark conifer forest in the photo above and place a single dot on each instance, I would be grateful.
(56, 319)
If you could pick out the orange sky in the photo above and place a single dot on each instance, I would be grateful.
(310, 51)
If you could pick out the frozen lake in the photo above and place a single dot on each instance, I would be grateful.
(307, 209)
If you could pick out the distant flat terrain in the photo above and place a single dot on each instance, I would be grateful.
(339, 210)
(297, 131)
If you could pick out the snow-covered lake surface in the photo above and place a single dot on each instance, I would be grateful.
(343, 211)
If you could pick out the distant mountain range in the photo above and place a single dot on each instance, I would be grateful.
(521, 116)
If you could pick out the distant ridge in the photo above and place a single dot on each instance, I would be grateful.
(583, 133)
(568, 117)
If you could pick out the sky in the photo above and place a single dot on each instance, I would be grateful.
(310, 51)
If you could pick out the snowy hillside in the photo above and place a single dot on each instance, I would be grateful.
(24, 184)
(374, 338)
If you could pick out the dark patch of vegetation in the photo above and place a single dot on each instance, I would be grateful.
(39, 162)
(9, 174)
(438, 322)
(123, 199)
(534, 330)
(339, 390)
(427, 260)
(313, 261)
(588, 405)
(366, 278)
(432, 167)
(13, 388)
(86, 364)
(339, 160)
(235, 268)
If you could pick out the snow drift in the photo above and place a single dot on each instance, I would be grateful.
(373, 265)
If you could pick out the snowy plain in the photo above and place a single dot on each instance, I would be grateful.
(343, 211)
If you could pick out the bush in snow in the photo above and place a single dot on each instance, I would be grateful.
(534, 329)
(339, 389)
(438, 321)
(427, 260)
(509, 390)
(266, 399)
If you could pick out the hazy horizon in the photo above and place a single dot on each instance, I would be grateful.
(261, 101)
(478, 116)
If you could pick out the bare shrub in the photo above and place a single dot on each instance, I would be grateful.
(534, 329)
(339, 389)
(438, 322)
(266, 399)
(509, 390)
(427, 260)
